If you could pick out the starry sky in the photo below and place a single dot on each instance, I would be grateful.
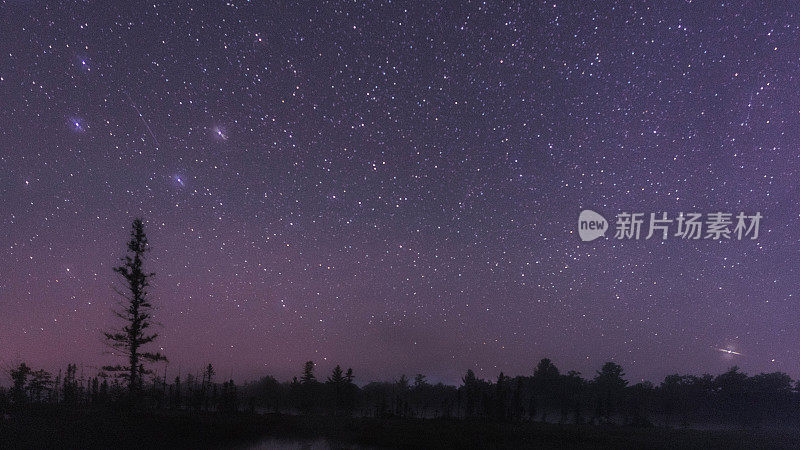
(395, 186)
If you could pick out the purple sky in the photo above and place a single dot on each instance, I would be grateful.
(396, 188)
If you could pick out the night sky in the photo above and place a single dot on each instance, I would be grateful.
(395, 187)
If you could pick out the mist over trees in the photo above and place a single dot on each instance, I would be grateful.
(547, 395)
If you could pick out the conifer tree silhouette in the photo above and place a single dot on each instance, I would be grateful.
(136, 314)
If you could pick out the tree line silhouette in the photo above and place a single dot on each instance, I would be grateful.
(547, 395)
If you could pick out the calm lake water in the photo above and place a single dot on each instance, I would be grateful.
(301, 444)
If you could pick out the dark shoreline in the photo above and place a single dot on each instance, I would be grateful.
(57, 428)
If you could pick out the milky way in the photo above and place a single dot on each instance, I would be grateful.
(395, 188)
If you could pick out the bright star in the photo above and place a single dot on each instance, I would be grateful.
(76, 125)
(728, 351)
(220, 133)
(84, 63)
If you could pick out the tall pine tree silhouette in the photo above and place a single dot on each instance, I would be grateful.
(136, 314)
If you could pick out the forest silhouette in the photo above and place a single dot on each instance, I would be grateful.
(310, 403)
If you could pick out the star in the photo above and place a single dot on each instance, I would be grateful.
(76, 124)
(220, 133)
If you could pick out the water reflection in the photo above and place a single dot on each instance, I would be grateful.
(301, 444)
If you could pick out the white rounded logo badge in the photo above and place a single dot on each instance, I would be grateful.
(591, 225)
